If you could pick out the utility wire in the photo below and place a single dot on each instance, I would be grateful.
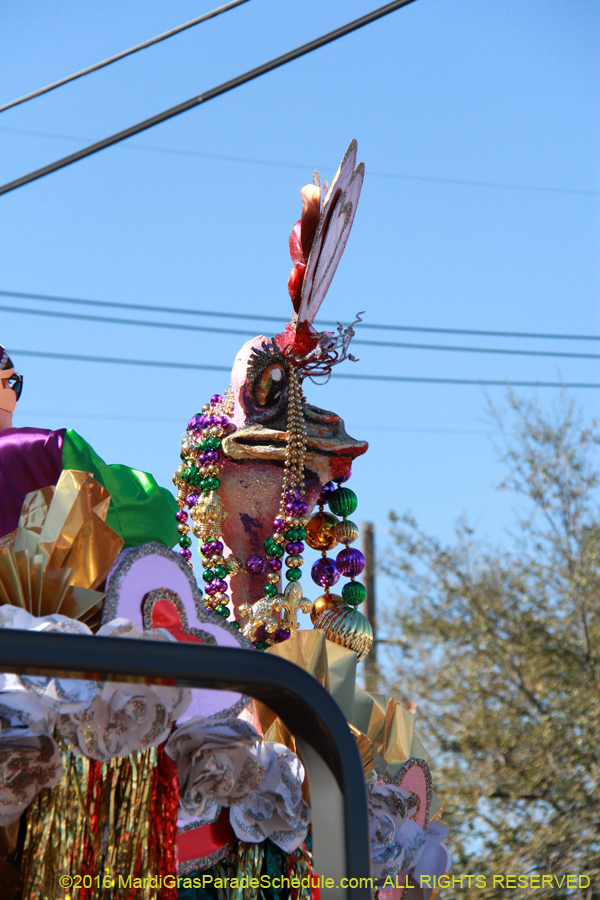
(124, 53)
(179, 326)
(207, 95)
(77, 357)
(366, 426)
(173, 310)
(435, 179)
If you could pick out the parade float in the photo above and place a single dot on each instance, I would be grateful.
(184, 793)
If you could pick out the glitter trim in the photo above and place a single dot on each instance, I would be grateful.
(129, 559)
(152, 598)
(191, 826)
(402, 771)
(199, 865)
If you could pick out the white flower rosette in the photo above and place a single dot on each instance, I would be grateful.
(222, 763)
(123, 718)
(398, 843)
(215, 765)
(29, 761)
(435, 858)
(27, 699)
(275, 808)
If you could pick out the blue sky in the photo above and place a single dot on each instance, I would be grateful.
(196, 213)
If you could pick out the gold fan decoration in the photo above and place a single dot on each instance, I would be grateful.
(61, 551)
(383, 730)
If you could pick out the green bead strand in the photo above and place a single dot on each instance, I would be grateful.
(272, 548)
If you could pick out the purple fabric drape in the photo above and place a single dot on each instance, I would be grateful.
(30, 458)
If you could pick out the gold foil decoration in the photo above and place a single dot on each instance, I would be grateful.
(365, 747)
(76, 496)
(61, 550)
(307, 650)
(383, 730)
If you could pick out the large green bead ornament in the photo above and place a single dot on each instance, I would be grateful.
(354, 593)
(343, 502)
(293, 574)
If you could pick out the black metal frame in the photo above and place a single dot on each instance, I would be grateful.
(332, 759)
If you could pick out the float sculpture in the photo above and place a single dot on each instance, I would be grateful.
(107, 777)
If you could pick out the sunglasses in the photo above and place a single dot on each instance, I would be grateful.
(15, 383)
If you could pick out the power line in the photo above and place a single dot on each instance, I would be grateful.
(154, 363)
(172, 310)
(207, 95)
(503, 351)
(366, 426)
(178, 326)
(434, 179)
(123, 54)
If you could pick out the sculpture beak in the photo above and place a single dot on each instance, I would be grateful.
(327, 443)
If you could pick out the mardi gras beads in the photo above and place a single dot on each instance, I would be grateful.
(321, 535)
(197, 481)
(337, 616)
(350, 562)
(285, 545)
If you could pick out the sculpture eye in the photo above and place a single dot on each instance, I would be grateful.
(270, 385)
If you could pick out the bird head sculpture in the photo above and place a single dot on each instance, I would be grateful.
(257, 458)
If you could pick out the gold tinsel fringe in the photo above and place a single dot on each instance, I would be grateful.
(92, 826)
(249, 861)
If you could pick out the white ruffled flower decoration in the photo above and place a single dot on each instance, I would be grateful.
(224, 764)
(275, 809)
(215, 765)
(29, 761)
(123, 718)
(435, 859)
(397, 842)
(26, 699)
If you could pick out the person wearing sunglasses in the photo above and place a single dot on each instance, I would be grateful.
(11, 386)
(32, 458)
